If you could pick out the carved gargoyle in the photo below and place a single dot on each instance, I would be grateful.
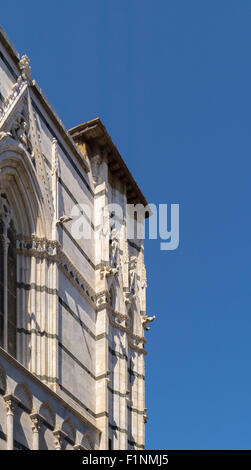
(145, 320)
(63, 219)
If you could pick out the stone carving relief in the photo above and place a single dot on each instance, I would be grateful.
(15, 92)
(24, 65)
(5, 210)
(114, 249)
(133, 276)
(20, 131)
(95, 166)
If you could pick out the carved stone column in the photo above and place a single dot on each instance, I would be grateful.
(10, 403)
(59, 437)
(5, 295)
(36, 420)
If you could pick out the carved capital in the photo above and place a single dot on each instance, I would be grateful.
(10, 404)
(37, 421)
(59, 437)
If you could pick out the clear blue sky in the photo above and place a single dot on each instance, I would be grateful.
(171, 80)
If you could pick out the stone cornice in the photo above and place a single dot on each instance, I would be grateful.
(94, 131)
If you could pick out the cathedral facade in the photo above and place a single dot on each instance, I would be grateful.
(72, 308)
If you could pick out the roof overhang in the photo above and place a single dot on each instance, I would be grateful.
(95, 132)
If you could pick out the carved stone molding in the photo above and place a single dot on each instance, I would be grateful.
(5, 211)
(38, 247)
(15, 92)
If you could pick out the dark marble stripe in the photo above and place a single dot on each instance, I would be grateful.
(133, 245)
(47, 378)
(135, 374)
(63, 149)
(37, 332)
(114, 427)
(81, 323)
(134, 444)
(76, 360)
(116, 392)
(75, 202)
(135, 410)
(118, 354)
(48, 290)
(78, 246)
(67, 392)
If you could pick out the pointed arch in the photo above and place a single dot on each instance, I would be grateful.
(19, 181)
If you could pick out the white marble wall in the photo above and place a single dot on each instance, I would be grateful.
(79, 349)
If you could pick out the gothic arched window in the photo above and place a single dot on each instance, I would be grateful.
(8, 268)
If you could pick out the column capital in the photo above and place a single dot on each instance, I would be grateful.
(59, 437)
(10, 404)
(6, 242)
(37, 421)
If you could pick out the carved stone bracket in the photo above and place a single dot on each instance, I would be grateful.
(37, 421)
(10, 404)
(59, 437)
(107, 271)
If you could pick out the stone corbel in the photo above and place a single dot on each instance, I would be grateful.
(127, 298)
(59, 437)
(101, 300)
(107, 271)
(36, 420)
(10, 404)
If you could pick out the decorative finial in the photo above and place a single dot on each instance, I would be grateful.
(24, 65)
